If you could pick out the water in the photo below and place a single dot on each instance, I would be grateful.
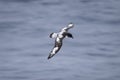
(93, 54)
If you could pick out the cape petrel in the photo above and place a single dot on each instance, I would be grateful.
(59, 38)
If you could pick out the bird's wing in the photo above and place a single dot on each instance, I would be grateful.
(68, 27)
(55, 49)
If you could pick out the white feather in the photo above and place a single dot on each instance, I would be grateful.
(67, 27)
(54, 50)
(54, 35)
(58, 39)
(70, 25)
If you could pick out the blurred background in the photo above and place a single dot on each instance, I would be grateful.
(93, 54)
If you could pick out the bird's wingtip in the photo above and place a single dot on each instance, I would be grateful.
(71, 25)
(50, 56)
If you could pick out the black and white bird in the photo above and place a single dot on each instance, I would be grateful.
(59, 39)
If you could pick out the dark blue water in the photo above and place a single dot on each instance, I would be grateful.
(93, 54)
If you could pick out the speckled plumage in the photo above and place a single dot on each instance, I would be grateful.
(59, 38)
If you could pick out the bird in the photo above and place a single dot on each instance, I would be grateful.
(59, 39)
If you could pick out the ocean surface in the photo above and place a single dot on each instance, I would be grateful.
(93, 54)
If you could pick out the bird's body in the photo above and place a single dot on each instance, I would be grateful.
(59, 39)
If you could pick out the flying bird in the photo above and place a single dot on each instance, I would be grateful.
(59, 39)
